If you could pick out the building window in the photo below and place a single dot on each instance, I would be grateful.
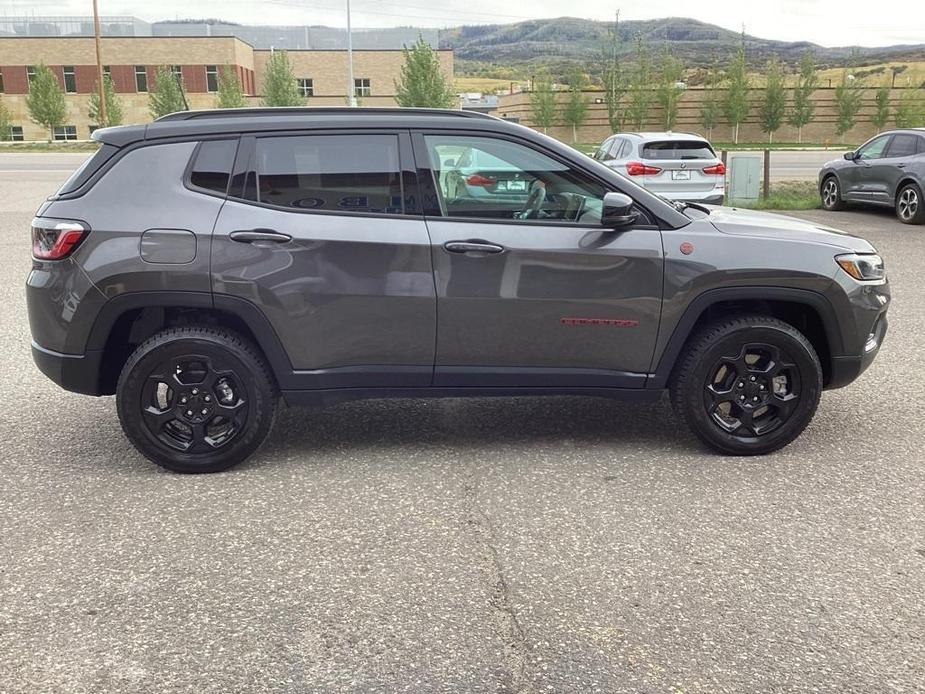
(175, 69)
(1, 83)
(141, 78)
(70, 80)
(212, 78)
(30, 72)
(306, 86)
(361, 86)
(16, 133)
(107, 70)
(66, 132)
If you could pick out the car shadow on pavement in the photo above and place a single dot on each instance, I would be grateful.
(475, 423)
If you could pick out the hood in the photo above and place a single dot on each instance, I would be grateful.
(732, 220)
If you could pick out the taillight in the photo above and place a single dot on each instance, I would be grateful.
(54, 239)
(480, 180)
(637, 168)
(716, 169)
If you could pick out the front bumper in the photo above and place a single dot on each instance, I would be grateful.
(78, 373)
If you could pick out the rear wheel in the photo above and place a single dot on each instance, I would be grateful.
(196, 399)
(748, 385)
(910, 207)
(831, 194)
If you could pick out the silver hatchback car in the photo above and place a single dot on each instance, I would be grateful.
(677, 166)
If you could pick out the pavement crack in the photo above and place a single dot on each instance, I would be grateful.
(505, 618)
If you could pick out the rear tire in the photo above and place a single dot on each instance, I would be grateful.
(747, 385)
(910, 206)
(830, 192)
(196, 399)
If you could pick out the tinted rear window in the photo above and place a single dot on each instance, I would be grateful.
(212, 167)
(678, 149)
(902, 145)
(330, 173)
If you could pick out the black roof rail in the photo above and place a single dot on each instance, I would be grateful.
(316, 111)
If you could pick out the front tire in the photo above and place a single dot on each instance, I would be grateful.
(747, 385)
(910, 207)
(830, 192)
(196, 399)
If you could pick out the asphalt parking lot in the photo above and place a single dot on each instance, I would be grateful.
(534, 545)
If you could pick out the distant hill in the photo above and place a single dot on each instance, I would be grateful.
(565, 41)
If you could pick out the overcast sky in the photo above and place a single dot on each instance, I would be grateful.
(826, 22)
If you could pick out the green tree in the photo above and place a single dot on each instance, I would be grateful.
(670, 88)
(881, 108)
(640, 104)
(279, 85)
(576, 108)
(802, 112)
(612, 76)
(847, 104)
(710, 107)
(4, 122)
(736, 106)
(167, 95)
(775, 100)
(910, 109)
(543, 102)
(114, 113)
(45, 100)
(422, 82)
(230, 94)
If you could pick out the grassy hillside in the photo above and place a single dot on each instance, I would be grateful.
(515, 51)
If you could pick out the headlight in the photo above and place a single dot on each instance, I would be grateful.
(862, 267)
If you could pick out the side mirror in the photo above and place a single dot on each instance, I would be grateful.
(851, 156)
(618, 211)
(449, 163)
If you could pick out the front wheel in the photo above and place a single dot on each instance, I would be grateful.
(748, 385)
(831, 195)
(910, 208)
(196, 399)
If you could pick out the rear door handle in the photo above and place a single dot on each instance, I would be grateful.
(252, 235)
(472, 246)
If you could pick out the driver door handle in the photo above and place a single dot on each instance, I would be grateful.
(252, 235)
(472, 246)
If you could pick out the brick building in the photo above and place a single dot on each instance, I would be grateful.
(132, 61)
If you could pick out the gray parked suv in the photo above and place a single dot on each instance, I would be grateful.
(887, 170)
(203, 265)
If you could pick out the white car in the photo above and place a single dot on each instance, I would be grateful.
(677, 166)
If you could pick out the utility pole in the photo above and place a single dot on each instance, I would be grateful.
(351, 85)
(99, 66)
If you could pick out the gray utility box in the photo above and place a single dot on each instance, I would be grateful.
(744, 176)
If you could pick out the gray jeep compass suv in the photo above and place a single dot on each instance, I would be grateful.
(203, 265)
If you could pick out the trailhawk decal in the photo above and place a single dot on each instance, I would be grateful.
(613, 322)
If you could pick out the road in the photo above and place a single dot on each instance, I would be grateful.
(787, 165)
(514, 545)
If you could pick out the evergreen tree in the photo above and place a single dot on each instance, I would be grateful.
(45, 100)
(230, 94)
(670, 89)
(543, 102)
(803, 106)
(167, 95)
(736, 106)
(640, 104)
(4, 122)
(847, 104)
(576, 108)
(710, 107)
(881, 108)
(114, 113)
(279, 85)
(775, 100)
(422, 82)
(612, 76)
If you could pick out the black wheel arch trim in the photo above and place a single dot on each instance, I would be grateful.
(685, 326)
